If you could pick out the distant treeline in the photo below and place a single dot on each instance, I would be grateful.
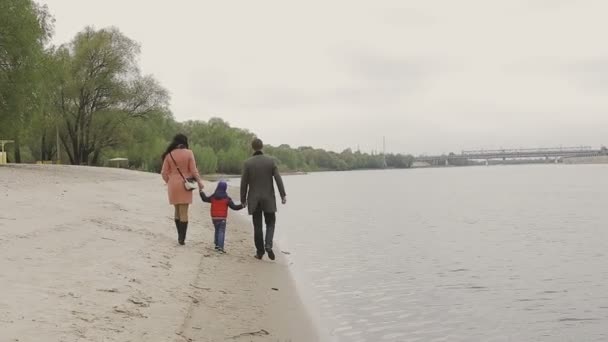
(219, 148)
(91, 97)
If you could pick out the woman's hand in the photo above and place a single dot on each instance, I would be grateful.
(201, 186)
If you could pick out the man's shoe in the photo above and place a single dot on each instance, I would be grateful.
(270, 253)
(259, 256)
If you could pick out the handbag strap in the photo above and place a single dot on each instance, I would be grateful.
(178, 170)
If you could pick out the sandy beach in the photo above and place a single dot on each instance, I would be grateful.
(90, 254)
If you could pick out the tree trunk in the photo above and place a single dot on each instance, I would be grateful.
(67, 150)
(43, 147)
(95, 158)
(85, 159)
(58, 145)
(17, 150)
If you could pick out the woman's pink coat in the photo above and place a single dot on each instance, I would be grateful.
(175, 183)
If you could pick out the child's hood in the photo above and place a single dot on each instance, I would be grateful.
(220, 190)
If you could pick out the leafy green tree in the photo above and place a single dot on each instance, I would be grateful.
(101, 91)
(399, 161)
(231, 161)
(25, 27)
(206, 159)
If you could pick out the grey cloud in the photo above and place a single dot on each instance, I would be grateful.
(590, 74)
(376, 80)
(376, 68)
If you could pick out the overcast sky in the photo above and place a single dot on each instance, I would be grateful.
(433, 76)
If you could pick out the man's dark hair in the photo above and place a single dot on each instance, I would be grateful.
(257, 144)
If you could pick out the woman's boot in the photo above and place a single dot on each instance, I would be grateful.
(177, 226)
(182, 240)
(183, 227)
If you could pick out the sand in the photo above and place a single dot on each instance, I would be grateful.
(90, 254)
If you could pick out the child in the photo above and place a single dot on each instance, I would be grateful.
(219, 212)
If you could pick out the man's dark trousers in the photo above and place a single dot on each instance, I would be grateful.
(258, 230)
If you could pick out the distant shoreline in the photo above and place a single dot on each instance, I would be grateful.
(216, 177)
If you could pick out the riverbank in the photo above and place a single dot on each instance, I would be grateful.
(89, 254)
(217, 177)
(586, 160)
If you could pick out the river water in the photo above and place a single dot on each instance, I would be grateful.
(499, 253)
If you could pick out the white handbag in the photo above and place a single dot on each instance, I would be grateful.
(189, 183)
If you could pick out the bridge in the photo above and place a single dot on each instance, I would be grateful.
(556, 153)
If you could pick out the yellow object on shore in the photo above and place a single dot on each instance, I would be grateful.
(3, 157)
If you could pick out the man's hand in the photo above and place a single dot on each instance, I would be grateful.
(284, 200)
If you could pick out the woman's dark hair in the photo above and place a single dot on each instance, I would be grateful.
(179, 141)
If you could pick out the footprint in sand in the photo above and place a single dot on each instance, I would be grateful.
(108, 290)
(139, 302)
(129, 313)
(166, 265)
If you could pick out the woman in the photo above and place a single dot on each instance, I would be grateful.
(178, 158)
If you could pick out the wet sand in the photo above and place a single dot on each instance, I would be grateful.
(89, 254)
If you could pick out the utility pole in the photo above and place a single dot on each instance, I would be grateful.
(384, 152)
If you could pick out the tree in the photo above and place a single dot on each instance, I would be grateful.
(206, 159)
(146, 141)
(231, 161)
(24, 29)
(100, 90)
(399, 161)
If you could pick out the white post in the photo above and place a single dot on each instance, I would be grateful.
(3, 155)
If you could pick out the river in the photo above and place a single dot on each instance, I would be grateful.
(499, 253)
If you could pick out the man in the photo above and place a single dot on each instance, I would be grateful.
(257, 192)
